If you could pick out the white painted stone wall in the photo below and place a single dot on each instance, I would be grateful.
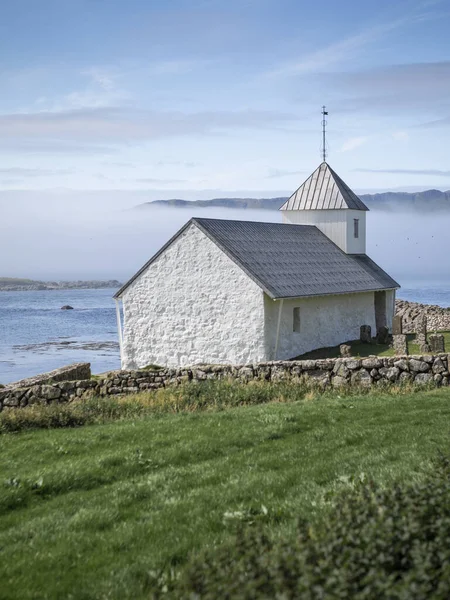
(325, 321)
(193, 305)
(337, 225)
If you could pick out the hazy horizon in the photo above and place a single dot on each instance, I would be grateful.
(83, 239)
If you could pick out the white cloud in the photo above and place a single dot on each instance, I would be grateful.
(102, 77)
(36, 146)
(23, 172)
(279, 173)
(125, 126)
(345, 48)
(177, 163)
(176, 67)
(155, 180)
(354, 142)
(444, 122)
(400, 88)
(434, 172)
(101, 90)
(400, 136)
(84, 99)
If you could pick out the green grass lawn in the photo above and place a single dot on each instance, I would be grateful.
(413, 348)
(361, 350)
(93, 512)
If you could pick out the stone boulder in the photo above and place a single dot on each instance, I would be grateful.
(437, 343)
(418, 366)
(345, 350)
(423, 379)
(372, 362)
(361, 378)
(365, 334)
(383, 335)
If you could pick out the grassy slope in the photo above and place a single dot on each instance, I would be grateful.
(17, 281)
(90, 512)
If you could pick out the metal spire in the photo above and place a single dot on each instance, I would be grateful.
(324, 140)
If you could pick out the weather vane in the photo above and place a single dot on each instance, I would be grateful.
(324, 133)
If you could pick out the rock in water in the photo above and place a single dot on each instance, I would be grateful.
(66, 307)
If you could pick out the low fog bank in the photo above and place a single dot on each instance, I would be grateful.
(68, 238)
(412, 247)
(86, 240)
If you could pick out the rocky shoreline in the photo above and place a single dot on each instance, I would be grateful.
(24, 285)
(438, 318)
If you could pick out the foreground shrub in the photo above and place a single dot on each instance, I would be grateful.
(74, 414)
(375, 544)
(41, 417)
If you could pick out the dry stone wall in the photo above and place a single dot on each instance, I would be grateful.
(338, 372)
(70, 373)
(437, 318)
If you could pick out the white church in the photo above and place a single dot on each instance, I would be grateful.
(240, 292)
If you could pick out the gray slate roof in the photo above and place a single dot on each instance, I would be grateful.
(288, 261)
(324, 189)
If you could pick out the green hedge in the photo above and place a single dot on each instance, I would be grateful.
(375, 544)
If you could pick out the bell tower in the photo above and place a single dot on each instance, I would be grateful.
(326, 201)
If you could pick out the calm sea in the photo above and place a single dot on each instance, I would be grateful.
(37, 336)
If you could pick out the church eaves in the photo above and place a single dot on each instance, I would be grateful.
(324, 190)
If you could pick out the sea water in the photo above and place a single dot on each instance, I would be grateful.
(37, 336)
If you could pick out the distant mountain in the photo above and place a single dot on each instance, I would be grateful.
(430, 200)
(15, 284)
(434, 200)
(265, 203)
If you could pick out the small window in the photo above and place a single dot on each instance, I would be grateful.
(356, 228)
(297, 320)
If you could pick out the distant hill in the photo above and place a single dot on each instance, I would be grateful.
(16, 284)
(429, 200)
(266, 203)
(434, 200)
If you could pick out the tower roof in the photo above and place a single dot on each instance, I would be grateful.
(323, 190)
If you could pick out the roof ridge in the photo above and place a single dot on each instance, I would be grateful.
(209, 219)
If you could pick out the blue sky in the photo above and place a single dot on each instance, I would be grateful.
(204, 97)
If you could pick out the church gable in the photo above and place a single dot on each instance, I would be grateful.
(191, 303)
(179, 245)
